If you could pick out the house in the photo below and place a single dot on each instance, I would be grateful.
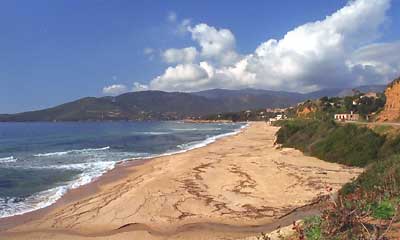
(275, 110)
(347, 117)
(370, 95)
(277, 118)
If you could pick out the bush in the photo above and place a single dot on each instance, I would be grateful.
(374, 194)
(383, 210)
(380, 179)
(349, 144)
(313, 228)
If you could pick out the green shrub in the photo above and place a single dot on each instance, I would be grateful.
(390, 147)
(313, 228)
(349, 144)
(375, 193)
(380, 178)
(383, 210)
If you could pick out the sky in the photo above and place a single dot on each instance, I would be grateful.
(52, 52)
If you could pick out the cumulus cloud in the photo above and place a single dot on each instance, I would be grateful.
(184, 55)
(381, 57)
(336, 51)
(193, 75)
(216, 44)
(314, 55)
(115, 89)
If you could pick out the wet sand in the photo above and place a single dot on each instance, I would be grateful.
(236, 187)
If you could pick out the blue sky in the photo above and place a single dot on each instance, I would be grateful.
(57, 51)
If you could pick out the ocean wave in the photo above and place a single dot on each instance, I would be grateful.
(79, 166)
(13, 206)
(154, 133)
(196, 129)
(85, 150)
(8, 159)
(184, 129)
(198, 144)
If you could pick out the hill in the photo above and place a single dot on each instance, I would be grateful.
(159, 105)
(146, 105)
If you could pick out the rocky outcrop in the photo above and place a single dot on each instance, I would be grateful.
(304, 110)
(391, 111)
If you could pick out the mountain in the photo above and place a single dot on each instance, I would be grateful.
(159, 105)
(237, 100)
(342, 92)
(144, 105)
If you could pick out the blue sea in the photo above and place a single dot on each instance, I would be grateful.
(39, 162)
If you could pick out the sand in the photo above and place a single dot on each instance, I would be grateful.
(234, 188)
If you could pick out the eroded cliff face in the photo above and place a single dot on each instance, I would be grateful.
(391, 111)
(305, 111)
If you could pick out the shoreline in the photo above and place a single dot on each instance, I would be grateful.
(120, 169)
(256, 217)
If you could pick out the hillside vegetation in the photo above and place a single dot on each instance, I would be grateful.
(325, 107)
(366, 208)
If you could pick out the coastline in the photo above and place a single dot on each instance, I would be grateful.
(85, 179)
(172, 194)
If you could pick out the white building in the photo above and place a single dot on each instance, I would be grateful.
(347, 117)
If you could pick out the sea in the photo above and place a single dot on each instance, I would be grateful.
(39, 162)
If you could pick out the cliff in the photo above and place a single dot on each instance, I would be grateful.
(305, 110)
(391, 111)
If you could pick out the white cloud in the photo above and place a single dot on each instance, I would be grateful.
(216, 44)
(377, 63)
(149, 52)
(193, 75)
(115, 89)
(139, 87)
(184, 55)
(171, 17)
(328, 53)
(314, 54)
(182, 27)
(381, 56)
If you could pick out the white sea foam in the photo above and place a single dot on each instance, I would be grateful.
(85, 150)
(154, 133)
(31, 203)
(198, 144)
(196, 129)
(46, 198)
(185, 129)
(8, 159)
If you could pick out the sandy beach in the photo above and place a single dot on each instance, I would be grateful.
(233, 188)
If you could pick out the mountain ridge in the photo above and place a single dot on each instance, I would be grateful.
(160, 105)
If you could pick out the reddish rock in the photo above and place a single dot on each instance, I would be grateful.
(391, 111)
